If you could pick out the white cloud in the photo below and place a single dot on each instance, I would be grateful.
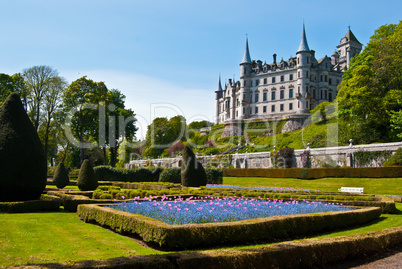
(150, 97)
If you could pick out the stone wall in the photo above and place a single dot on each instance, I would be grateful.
(319, 157)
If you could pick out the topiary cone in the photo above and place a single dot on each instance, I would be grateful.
(60, 177)
(87, 180)
(22, 157)
(192, 172)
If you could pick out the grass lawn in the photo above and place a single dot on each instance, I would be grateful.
(59, 237)
(386, 186)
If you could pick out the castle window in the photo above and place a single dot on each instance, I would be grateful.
(282, 96)
(244, 110)
(298, 74)
(325, 94)
(307, 104)
(264, 96)
(290, 106)
(257, 82)
(306, 74)
(308, 59)
(245, 83)
(330, 81)
(237, 114)
(251, 98)
(330, 97)
(244, 96)
(298, 60)
(251, 111)
(251, 83)
(282, 78)
(273, 108)
(326, 78)
(273, 95)
(264, 109)
(265, 81)
(321, 78)
(290, 93)
(256, 97)
(321, 94)
(291, 77)
(273, 79)
(256, 110)
(281, 107)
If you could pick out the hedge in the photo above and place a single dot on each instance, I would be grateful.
(175, 237)
(314, 173)
(46, 204)
(107, 173)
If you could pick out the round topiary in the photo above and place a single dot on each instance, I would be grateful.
(87, 180)
(192, 172)
(22, 158)
(60, 177)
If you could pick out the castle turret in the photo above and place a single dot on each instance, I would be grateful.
(218, 95)
(304, 60)
(245, 83)
(348, 47)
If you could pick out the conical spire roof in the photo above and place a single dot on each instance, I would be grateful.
(219, 88)
(303, 42)
(246, 57)
(351, 37)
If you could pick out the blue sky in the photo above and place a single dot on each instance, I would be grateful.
(166, 56)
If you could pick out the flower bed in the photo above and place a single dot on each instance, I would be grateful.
(174, 237)
(214, 209)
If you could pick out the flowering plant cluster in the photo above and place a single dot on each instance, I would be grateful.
(178, 210)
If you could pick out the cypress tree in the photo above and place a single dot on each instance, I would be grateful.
(192, 171)
(22, 157)
(60, 177)
(87, 180)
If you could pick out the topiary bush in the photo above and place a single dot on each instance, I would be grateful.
(192, 171)
(87, 180)
(214, 175)
(172, 175)
(396, 159)
(60, 177)
(22, 158)
(285, 155)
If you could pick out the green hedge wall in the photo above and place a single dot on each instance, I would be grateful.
(46, 204)
(107, 173)
(314, 173)
(174, 237)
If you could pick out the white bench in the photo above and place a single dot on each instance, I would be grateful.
(351, 189)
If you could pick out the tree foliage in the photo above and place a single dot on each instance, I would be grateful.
(371, 90)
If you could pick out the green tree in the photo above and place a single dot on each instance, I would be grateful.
(14, 83)
(162, 133)
(120, 125)
(371, 90)
(80, 101)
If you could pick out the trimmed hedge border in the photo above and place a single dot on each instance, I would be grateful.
(315, 173)
(47, 203)
(307, 253)
(174, 237)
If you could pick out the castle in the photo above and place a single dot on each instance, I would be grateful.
(285, 89)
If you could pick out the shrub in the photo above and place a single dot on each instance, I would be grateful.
(396, 159)
(87, 180)
(192, 171)
(214, 175)
(22, 158)
(172, 175)
(60, 177)
(286, 155)
(305, 159)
